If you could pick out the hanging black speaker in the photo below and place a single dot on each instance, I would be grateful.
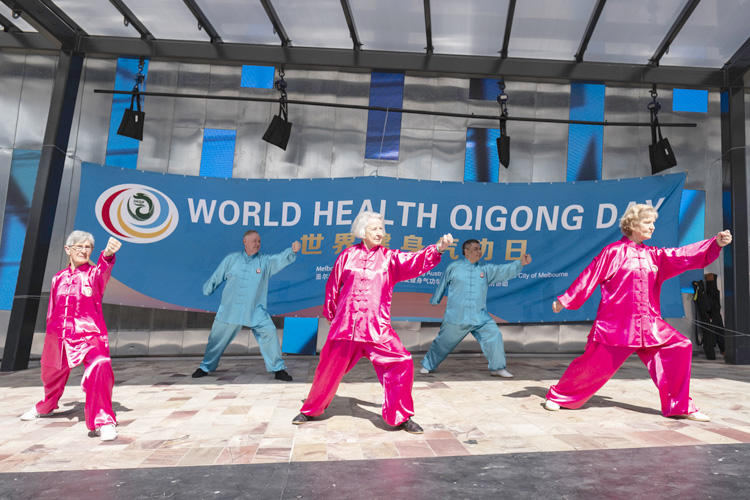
(278, 132)
(503, 150)
(132, 120)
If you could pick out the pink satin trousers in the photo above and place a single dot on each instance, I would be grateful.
(668, 364)
(97, 382)
(393, 366)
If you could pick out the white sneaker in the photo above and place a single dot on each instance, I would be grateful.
(107, 432)
(501, 373)
(698, 417)
(424, 371)
(32, 414)
(551, 405)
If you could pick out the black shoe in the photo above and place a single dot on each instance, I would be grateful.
(283, 375)
(301, 419)
(411, 427)
(199, 373)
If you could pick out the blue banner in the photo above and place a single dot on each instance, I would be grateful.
(175, 230)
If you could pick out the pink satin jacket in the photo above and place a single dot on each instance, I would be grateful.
(360, 289)
(631, 276)
(74, 315)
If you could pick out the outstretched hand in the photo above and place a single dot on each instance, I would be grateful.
(113, 246)
(296, 246)
(525, 259)
(724, 238)
(557, 306)
(445, 241)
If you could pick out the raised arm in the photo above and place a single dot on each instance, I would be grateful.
(279, 261)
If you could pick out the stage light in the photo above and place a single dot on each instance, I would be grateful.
(503, 142)
(660, 152)
(131, 124)
(280, 129)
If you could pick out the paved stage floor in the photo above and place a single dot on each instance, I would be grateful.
(229, 435)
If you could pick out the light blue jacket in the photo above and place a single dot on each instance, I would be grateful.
(243, 301)
(466, 285)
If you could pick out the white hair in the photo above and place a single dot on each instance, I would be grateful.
(363, 219)
(79, 237)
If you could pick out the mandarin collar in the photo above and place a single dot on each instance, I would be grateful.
(364, 247)
(632, 243)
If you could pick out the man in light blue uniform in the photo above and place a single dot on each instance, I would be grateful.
(467, 282)
(243, 303)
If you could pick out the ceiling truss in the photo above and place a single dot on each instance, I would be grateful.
(58, 32)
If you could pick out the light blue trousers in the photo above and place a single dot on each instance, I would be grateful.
(488, 335)
(223, 333)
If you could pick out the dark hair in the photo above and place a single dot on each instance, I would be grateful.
(467, 243)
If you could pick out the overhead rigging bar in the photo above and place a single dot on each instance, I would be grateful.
(389, 110)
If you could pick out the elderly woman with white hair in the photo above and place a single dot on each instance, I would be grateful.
(629, 320)
(358, 305)
(76, 334)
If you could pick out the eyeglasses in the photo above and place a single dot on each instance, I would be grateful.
(79, 248)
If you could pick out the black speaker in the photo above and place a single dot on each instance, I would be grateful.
(278, 132)
(132, 121)
(503, 150)
(660, 152)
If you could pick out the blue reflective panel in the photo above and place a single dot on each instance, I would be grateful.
(23, 170)
(482, 163)
(585, 141)
(384, 129)
(123, 151)
(484, 89)
(300, 335)
(258, 77)
(695, 101)
(217, 158)
(691, 229)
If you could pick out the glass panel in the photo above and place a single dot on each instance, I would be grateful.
(96, 17)
(630, 31)
(20, 23)
(714, 32)
(384, 129)
(217, 158)
(474, 27)
(240, 22)
(170, 19)
(314, 24)
(549, 29)
(390, 24)
(258, 77)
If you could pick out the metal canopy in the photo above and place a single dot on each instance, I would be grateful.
(690, 43)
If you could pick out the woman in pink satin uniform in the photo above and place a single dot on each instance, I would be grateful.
(358, 305)
(76, 333)
(629, 316)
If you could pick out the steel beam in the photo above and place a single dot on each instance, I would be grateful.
(508, 28)
(428, 26)
(8, 26)
(352, 25)
(278, 27)
(132, 19)
(673, 31)
(48, 19)
(366, 60)
(738, 66)
(593, 20)
(42, 215)
(203, 22)
(736, 201)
